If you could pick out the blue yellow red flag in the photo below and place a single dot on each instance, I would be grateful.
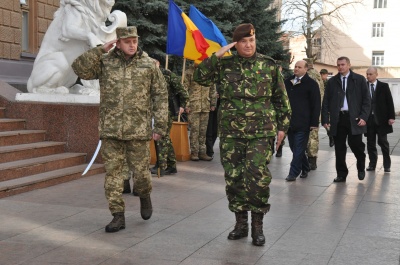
(210, 31)
(183, 37)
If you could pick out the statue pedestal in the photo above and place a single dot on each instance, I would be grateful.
(57, 98)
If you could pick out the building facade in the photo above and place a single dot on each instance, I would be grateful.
(23, 24)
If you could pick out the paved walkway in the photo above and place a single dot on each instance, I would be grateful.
(312, 220)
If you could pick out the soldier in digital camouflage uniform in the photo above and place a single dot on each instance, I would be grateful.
(313, 140)
(202, 99)
(177, 94)
(132, 91)
(254, 106)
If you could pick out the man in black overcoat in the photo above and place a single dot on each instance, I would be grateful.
(380, 120)
(345, 109)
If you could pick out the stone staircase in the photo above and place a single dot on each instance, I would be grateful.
(28, 161)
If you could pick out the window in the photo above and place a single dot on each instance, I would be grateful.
(377, 29)
(25, 31)
(378, 58)
(380, 3)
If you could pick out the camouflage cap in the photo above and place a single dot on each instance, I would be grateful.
(126, 32)
(242, 31)
(323, 71)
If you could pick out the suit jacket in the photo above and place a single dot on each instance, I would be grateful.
(358, 99)
(383, 107)
(305, 101)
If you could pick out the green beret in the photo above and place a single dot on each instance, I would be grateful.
(126, 32)
(243, 31)
(323, 71)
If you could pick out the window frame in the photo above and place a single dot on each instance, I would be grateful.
(380, 3)
(378, 29)
(378, 58)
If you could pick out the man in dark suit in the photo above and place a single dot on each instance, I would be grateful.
(305, 100)
(345, 109)
(380, 120)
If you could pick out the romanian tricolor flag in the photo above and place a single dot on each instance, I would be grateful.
(184, 38)
(209, 30)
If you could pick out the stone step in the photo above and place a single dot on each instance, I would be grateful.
(2, 112)
(11, 124)
(46, 179)
(26, 151)
(21, 137)
(23, 168)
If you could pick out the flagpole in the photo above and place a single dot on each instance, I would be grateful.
(166, 61)
(183, 70)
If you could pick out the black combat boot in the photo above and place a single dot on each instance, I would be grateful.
(313, 162)
(257, 229)
(127, 186)
(146, 209)
(117, 223)
(241, 227)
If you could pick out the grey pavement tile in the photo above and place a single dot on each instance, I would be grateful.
(295, 240)
(280, 257)
(17, 253)
(137, 259)
(230, 251)
(206, 261)
(369, 250)
(75, 255)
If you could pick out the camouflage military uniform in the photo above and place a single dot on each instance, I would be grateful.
(254, 105)
(201, 99)
(313, 141)
(166, 155)
(132, 91)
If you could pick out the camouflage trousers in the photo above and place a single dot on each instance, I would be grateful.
(115, 153)
(166, 154)
(247, 176)
(313, 144)
(198, 122)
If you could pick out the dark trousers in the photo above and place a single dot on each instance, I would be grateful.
(355, 143)
(298, 144)
(372, 133)
(212, 132)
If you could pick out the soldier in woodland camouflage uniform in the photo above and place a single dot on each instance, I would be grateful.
(254, 106)
(202, 99)
(166, 159)
(313, 141)
(132, 91)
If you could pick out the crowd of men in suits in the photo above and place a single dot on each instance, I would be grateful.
(351, 106)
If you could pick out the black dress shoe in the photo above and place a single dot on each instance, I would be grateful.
(387, 169)
(290, 178)
(340, 179)
(331, 141)
(361, 175)
(369, 168)
(304, 174)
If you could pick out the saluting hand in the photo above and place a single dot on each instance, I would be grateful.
(224, 49)
(108, 45)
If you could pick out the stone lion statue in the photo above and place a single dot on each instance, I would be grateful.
(78, 25)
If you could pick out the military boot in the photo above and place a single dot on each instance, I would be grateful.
(241, 227)
(257, 229)
(313, 163)
(127, 186)
(205, 157)
(117, 223)
(146, 209)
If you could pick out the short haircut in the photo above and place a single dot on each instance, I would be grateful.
(344, 58)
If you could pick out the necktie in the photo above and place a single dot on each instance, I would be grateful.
(344, 84)
(296, 80)
(372, 91)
